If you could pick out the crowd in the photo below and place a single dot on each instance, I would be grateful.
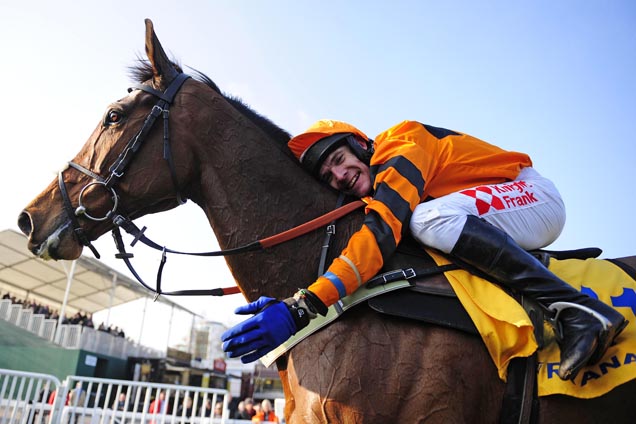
(37, 308)
(115, 331)
(79, 318)
(246, 409)
(261, 412)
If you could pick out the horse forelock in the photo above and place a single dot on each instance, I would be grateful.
(142, 70)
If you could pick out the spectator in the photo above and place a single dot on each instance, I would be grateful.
(207, 408)
(75, 319)
(44, 394)
(185, 409)
(241, 413)
(266, 414)
(52, 396)
(88, 321)
(249, 409)
(159, 405)
(120, 403)
(218, 410)
(77, 396)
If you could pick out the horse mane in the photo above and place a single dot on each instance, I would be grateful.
(142, 71)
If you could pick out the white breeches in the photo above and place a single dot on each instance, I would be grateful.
(529, 209)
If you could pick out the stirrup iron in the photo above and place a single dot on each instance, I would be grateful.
(558, 307)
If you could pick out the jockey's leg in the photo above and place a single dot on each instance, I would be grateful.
(585, 336)
(527, 215)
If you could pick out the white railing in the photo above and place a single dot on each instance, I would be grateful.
(91, 340)
(24, 397)
(112, 345)
(48, 329)
(4, 308)
(32, 398)
(36, 323)
(24, 317)
(14, 313)
(69, 336)
(73, 336)
(103, 401)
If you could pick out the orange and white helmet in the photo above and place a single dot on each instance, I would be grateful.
(313, 146)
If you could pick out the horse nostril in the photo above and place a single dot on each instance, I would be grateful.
(24, 223)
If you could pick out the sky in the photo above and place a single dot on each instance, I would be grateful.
(556, 80)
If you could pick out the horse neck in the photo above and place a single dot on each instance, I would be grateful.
(250, 188)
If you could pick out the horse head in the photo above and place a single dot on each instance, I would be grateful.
(112, 173)
(175, 137)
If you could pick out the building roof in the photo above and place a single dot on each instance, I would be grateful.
(91, 289)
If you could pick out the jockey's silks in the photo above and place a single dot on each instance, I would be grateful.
(507, 331)
(412, 163)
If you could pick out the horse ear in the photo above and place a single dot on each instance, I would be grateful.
(163, 69)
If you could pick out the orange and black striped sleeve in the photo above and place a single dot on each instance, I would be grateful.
(397, 171)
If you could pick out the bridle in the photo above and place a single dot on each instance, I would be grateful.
(118, 168)
(117, 171)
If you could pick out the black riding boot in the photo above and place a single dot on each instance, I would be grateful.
(587, 328)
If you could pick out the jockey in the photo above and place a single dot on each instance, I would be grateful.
(480, 204)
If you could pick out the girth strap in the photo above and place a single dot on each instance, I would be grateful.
(409, 274)
(520, 404)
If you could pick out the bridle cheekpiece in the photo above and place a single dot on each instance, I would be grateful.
(118, 168)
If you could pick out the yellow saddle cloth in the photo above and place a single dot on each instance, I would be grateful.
(508, 332)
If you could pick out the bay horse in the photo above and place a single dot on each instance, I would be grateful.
(234, 164)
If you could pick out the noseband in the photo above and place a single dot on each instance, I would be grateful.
(118, 169)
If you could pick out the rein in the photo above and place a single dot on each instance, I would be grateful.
(117, 171)
(258, 245)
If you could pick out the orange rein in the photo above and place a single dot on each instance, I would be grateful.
(300, 230)
(314, 224)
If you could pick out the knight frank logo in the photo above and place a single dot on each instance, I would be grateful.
(501, 196)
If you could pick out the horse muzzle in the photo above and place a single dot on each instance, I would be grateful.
(59, 244)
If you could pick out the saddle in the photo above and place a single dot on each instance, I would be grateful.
(431, 299)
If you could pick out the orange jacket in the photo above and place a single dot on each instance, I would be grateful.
(412, 163)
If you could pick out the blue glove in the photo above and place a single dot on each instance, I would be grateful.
(271, 325)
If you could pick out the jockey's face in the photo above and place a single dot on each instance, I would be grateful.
(343, 171)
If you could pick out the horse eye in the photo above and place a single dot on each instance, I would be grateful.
(113, 117)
